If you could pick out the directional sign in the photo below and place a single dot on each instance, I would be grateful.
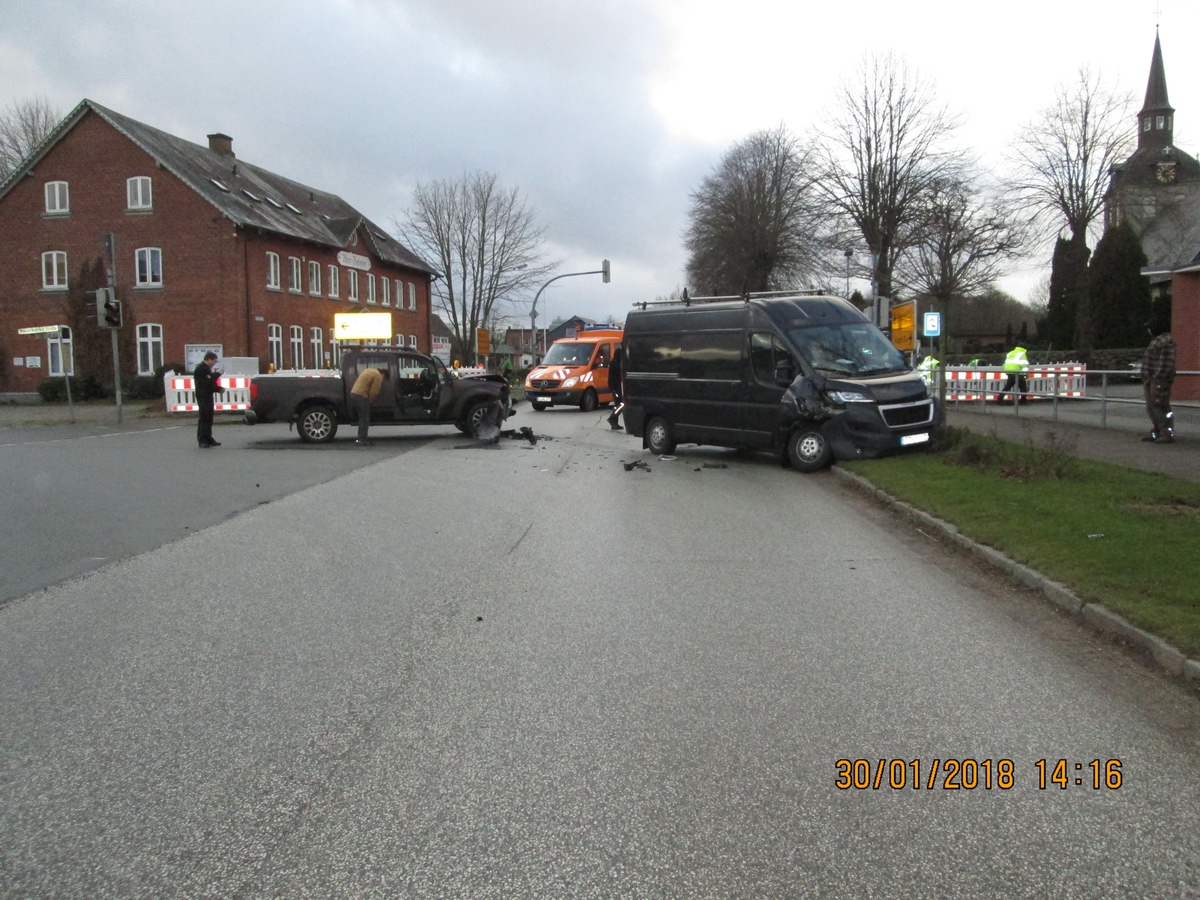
(933, 324)
(40, 329)
(362, 326)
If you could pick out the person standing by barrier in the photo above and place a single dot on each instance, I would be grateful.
(614, 385)
(366, 388)
(206, 383)
(1158, 374)
(1016, 364)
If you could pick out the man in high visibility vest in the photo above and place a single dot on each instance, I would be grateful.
(927, 367)
(1016, 364)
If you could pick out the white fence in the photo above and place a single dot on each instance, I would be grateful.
(180, 393)
(1041, 382)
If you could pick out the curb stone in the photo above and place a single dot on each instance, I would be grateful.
(1167, 657)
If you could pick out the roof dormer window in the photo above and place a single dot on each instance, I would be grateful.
(219, 185)
(252, 196)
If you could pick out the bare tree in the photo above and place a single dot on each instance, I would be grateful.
(961, 244)
(485, 241)
(1062, 159)
(24, 125)
(883, 156)
(755, 221)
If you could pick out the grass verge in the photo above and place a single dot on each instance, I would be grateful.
(1117, 536)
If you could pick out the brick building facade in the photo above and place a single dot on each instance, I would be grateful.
(209, 251)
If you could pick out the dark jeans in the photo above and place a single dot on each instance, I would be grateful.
(1157, 393)
(362, 408)
(205, 423)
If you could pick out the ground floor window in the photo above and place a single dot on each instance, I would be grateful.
(61, 352)
(297, 342)
(150, 348)
(316, 340)
(275, 345)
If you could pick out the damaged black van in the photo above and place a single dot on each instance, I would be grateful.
(806, 376)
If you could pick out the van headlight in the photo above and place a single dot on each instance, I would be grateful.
(570, 382)
(848, 397)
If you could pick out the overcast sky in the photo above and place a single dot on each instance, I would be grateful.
(606, 115)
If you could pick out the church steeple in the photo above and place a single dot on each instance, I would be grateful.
(1156, 121)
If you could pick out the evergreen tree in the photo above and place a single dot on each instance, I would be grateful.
(1118, 293)
(1068, 287)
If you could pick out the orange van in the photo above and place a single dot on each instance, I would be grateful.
(575, 371)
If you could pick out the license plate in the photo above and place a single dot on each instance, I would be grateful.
(909, 439)
(543, 399)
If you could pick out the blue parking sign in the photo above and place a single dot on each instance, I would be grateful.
(933, 324)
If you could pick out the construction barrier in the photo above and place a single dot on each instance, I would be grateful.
(1041, 382)
(180, 392)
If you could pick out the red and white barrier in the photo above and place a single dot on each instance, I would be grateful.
(180, 393)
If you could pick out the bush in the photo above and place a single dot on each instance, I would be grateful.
(54, 390)
(150, 387)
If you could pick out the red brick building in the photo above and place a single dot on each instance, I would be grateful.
(210, 252)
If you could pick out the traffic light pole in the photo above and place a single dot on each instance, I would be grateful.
(603, 271)
(111, 246)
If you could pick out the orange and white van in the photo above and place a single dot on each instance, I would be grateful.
(575, 371)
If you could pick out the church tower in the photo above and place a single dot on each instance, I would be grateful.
(1149, 181)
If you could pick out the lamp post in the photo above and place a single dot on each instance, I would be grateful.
(849, 253)
(603, 271)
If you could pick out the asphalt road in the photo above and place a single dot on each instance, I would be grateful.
(528, 672)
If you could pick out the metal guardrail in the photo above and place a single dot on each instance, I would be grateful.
(1118, 392)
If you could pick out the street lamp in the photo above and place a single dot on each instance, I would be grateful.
(849, 253)
(603, 271)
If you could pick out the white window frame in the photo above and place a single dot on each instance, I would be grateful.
(144, 268)
(272, 270)
(275, 345)
(316, 340)
(295, 285)
(139, 193)
(150, 347)
(296, 334)
(370, 288)
(335, 287)
(58, 198)
(54, 271)
(314, 278)
(412, 295)
(1160, 122)
(58, 349)
(352, 286)
(385, 291)
(412, 341)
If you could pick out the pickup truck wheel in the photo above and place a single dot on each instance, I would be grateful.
(537, 407)
(808, 449)
(589, 401)
(659, 439)
(317, 424)
(474, 418)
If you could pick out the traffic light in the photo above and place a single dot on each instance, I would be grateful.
(605, 273)
(95, 306)
(112, 312)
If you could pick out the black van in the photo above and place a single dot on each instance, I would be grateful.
(806, 376)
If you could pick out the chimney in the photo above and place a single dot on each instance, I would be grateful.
(220, 143)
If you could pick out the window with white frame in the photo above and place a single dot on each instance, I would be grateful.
(352, 286)
(294, 270)
(54, 270)
(385, 291)
(297, 341)
(370, 288)
(314, 279)
(149, 348)
(148, 267)
(272, 270)
(58, 198)
(412, 296)
(60, 350)
(138, 193)
(275, 345)
(316, 341)
(412, 341)
(334, 287)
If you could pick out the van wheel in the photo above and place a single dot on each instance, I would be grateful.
(317, 424)
(659, 439)
(808, 449)
(589, 402)
(537, 407)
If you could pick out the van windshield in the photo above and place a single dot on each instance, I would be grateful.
(848, 348)
(568, 354)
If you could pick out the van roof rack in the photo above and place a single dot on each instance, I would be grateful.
(685, 300)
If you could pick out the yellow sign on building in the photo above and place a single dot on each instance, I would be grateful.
(362, 326)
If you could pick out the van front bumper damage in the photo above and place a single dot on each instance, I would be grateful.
(865, 431)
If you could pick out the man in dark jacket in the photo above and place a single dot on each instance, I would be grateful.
(1158, 374)
(206, 384)
(614, 385)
